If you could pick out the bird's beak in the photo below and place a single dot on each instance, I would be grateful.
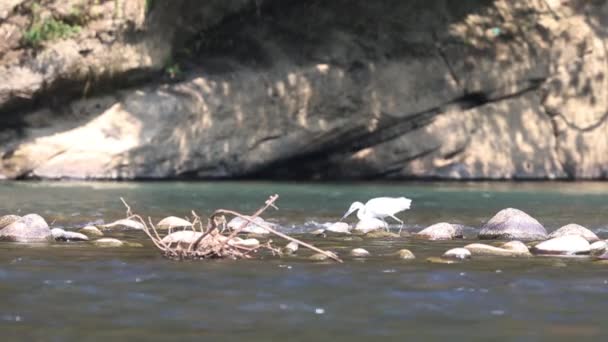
(347, 213)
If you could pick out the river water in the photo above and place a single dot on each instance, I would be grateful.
(74, 291)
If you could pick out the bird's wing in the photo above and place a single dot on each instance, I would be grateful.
(384, 206)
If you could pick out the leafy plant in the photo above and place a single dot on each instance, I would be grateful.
(49, 29)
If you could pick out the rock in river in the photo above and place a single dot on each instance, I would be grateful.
(125, 223)
(513, 224)
(370, 224)
(8, 219)
(457, 253)
(563, 245)
(359, 252)
(251, 228)
(598, 247)
(488, 250)
(575, 229)
(405, 254)
(91, 231)
(173, 222)
(63, 235)
(29, 228)
(338, 228)
(440, 231)
(108, 242)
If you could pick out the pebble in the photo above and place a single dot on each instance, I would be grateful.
(457, 253)
(108, 242)
(359, 252)
(406, 254)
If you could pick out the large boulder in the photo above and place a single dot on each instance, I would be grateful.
(8, 219)
(513, 224)
(575, 229)
(29, 228)
(508, 249)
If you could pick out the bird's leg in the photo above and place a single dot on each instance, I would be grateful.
(385, 225)
(398, 220)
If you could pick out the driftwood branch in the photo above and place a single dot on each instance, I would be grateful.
(212, 243)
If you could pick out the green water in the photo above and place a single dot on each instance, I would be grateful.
(74, 291)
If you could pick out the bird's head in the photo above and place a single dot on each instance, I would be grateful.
(353, 207)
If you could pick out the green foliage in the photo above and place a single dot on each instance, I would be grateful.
(150, 5)
(173, 69)
(49, 29)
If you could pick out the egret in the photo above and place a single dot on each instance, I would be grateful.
(379, 208)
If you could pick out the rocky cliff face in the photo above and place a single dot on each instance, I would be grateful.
(304, 89)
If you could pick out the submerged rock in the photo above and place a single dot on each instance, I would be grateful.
(319, 257)
(457, 253)
(440, 231)
(378, 234)
(405, 254)
(575, 229)
(8, 219)
(437, 260)
(598, 247)
(359, 252)
(251, 228)
(370, 224)
(516, 246)
(247, 243)
(91, 231)
(481, 249)
(125, 223)
(291, 248)
(29, 228)
(108, 242)
(563, 245)
(173, 222)
(63, 235)
(182, 236)
(513, 224)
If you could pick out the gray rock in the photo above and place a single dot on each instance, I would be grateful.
(575, 229)
(457, 253)
(338, 228)
(63, 235)
(359, 252)
(319, 257)
(29, 228)
(8, 219)
(480, 249)
(250, 228)
(108, 242)
(513, 224)
(125, 224)
(598, 247)
(440, 231)
(563, 245)
(173, 222)
(370, 224)
(516, 246)
(247, 243)
(405, 254)
(91, 231)
(291, 248)
(182, 237)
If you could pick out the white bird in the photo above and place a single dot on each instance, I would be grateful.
(379, 208)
